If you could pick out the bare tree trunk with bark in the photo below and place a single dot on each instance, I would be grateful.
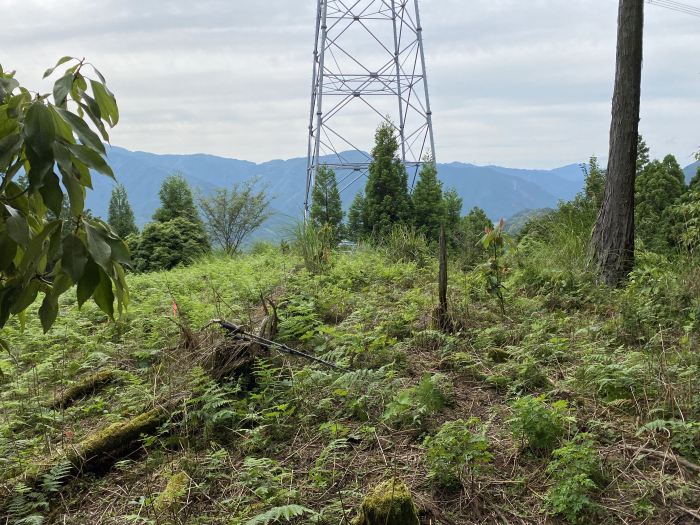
(612, 243)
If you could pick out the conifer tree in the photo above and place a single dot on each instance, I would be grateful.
(386, 201)
(176, 201)
(471, 230)
(429, 212)
(356, 223)
(121, 216)
(453, 212)
(659, 185)
(326, 206)
(595, 183)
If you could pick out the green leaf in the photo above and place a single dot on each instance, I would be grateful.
(7, 85)
(52, 194)
(97, 72)
(8, 250)
(26, 298)
(76, 194)
(75, 257)
(85, 134)
(61, 61)
(61, 284)
(103, 296)
(39, 129)
(35, 250)
(108, 104)
(95, 118)
(91, 158)
(120, 252)
(9, 147)
(63, 129)
(61, 88)
(98, 246)
(48, 311)
(17, 227)
(88, 282)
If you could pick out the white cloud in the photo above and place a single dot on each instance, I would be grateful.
(525, 84)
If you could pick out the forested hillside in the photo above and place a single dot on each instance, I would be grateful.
(502, 192)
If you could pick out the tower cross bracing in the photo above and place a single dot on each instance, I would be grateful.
(368, 68)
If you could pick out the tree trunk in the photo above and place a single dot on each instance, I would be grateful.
(612, 244)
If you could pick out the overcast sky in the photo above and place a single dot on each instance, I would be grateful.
(513, 82)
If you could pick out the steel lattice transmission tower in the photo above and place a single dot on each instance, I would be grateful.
(369, 67)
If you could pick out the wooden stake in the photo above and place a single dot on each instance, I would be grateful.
(443, 313)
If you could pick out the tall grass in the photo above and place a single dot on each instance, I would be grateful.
(315, 246)
(559, 241)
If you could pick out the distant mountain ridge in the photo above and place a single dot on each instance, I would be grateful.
(501, 192)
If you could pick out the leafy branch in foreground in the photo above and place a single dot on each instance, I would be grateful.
(52, 144)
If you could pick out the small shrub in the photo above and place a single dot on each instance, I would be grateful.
(538, 424)
(165, 245)
(411, 406)
(457, 449)
(574, 471)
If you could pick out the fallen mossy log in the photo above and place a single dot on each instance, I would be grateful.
(83, 388)
(96, 452)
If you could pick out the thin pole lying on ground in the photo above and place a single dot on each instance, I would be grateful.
(238, 333)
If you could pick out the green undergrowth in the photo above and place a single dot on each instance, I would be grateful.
(539, 408)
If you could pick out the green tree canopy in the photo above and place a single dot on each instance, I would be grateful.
(233, 214)
(326, 206)
(695, 181)
(176, 200)
(165, 245)
(453, 212)
(471, 231)
(642, 154)
(429, 211)
(121, 216)
(659, 185)
(356, 222)
(48, 138)
(386, 201)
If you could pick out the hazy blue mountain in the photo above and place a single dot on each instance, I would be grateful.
(501, 192)
(691, 170)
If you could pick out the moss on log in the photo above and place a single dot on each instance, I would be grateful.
(83, 388)
(389, 503)
(112, 441)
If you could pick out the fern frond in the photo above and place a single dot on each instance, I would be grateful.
(279, 515)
